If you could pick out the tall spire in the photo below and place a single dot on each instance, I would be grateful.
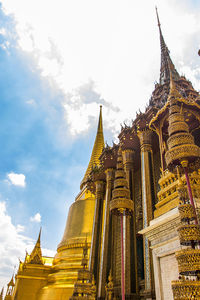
(36, 254)
(97, 149)
(165, 59)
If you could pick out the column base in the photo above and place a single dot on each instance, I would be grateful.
(148, 295)
(127, 297)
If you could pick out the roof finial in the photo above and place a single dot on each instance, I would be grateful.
(100, 124)
(165, 58)
(39, 236)
(157, 17)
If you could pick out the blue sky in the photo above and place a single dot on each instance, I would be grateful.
(55, 71)
(31, 138)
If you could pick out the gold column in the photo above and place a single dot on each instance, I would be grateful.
(104, 263)
(96, 232)
(145, 137)
(131, 249)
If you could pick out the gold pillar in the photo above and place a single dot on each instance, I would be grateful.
(145, 137)
(131, 249)
(96, 232)
(104, 262)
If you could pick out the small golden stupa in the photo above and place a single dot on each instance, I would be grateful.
(84, 287)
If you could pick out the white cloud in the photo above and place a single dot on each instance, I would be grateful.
(19, 228)
(12, 245)
(3, 31)
(17, 179)
(48, 252)
(36, 218)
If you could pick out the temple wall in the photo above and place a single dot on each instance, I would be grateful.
(165, 269)
(164, 240)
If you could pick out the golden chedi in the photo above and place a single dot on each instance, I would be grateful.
(68, 258)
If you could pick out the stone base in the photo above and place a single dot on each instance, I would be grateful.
(164, 240)
(147, 295)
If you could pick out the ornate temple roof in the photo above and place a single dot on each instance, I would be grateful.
(97, 149)
(160, 93)
(36, 254)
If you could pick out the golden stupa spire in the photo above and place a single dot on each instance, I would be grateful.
(36, 254)
(97, 149)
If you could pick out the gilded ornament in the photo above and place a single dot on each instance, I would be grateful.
(188, 261)
(121, 192)
(180, 139)
(180, 152)
(121, 204)
(186, 212)
(186, 289)
(177, 127)
(188, 234)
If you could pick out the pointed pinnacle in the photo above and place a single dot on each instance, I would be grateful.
(100, 123)
(162, 42)
(97, 149)
(165, 58)
(39, 236)
(157, 17)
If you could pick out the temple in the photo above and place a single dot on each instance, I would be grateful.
(133, 230)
